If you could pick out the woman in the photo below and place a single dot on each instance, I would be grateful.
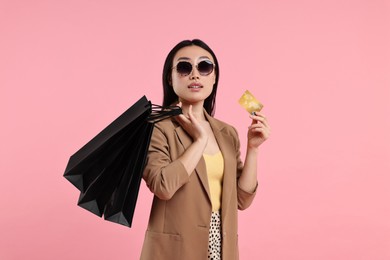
(194, 167)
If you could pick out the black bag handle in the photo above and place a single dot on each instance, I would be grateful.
(158, 113)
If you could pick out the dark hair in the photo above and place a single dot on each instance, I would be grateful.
(169, 95)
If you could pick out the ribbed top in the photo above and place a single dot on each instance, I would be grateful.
(214, 166)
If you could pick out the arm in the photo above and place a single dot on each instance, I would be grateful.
(248, 178)
(164, 176)
(258, 132)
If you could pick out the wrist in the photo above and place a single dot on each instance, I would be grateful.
(202, 140)
(252, 149)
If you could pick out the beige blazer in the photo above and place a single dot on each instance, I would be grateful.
(180, 216)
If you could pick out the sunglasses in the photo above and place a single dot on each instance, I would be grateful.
(184, 68)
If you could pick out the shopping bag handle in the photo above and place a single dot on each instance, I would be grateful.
(158, 113)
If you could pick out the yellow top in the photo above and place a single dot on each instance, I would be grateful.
(214, 166)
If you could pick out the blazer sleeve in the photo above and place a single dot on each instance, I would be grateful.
(162, 175)
(244, 198)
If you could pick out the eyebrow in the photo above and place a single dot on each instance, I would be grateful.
(186, 58)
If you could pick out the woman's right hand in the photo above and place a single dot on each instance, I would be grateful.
(194, 152)
(192, 126)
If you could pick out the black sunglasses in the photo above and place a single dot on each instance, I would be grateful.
(184, 68)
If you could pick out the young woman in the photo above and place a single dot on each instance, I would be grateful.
(194, 167)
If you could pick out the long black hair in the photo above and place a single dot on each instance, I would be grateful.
(169, 95)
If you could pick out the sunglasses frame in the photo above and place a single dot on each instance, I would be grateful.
(196, 66)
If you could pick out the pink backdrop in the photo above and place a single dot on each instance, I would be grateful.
(68, 68)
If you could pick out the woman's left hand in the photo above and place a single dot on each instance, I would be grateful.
(258, 131)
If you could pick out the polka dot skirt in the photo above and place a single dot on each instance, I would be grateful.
(215, 238)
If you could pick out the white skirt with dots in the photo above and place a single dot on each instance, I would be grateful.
(215, 238)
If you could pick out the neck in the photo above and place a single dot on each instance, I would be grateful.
(197, 110)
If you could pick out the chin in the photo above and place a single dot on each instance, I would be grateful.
(192, 100)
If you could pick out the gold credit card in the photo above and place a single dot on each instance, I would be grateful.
(249, 102)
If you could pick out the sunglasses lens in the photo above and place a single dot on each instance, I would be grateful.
(184, 68)
(205, 67)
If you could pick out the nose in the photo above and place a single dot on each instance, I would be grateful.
(194, 73)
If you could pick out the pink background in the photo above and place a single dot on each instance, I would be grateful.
(321, 68)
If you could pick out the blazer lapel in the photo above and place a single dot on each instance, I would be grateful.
(200, 169)
(229, 177)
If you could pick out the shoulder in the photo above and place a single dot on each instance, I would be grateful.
(166, 127)
(222, 126)
(165, 124)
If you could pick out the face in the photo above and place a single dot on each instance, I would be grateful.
(197, 85)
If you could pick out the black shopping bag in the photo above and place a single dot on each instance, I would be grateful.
(108, 169)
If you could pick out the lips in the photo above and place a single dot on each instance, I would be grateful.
(195, 86)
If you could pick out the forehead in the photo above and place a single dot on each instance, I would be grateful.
(192, 52)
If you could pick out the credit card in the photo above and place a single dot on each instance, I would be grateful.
(250, 103)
